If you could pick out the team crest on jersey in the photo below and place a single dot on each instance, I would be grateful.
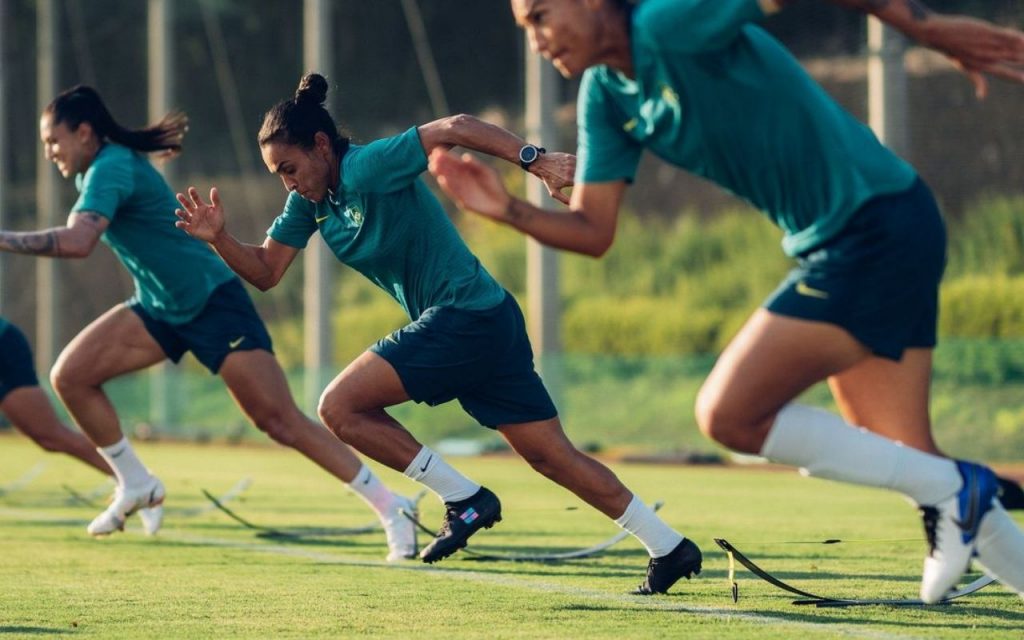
(354, 215)
(669, 95)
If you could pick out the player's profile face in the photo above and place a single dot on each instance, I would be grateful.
(306, 172)
(65, 148)
(563, 31)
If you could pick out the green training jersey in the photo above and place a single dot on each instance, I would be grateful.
(386, 224)
(717, 96)
(173, 272)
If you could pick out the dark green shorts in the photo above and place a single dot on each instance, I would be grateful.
(879, 278)
(16, 366)
(227, 323)
(483, 359)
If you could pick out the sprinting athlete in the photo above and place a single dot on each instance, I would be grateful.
(701, 86)
(185, 299)
(467, 339)
(28, 408)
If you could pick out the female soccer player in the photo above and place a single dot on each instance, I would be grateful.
(185, 299)
(467, 339)
(25, 404)
(702, 87)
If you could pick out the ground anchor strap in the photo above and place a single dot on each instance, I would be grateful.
(825, 601)
(553, 556)
(296, 533)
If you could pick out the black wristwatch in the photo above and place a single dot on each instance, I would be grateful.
(528, 154)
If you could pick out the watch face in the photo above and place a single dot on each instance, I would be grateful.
(528, 154)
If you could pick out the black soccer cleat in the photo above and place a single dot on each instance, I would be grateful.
(1011, 496)
(682, 562)
(461, 520)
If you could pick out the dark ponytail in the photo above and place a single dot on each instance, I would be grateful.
(83, 104)
(297, 121)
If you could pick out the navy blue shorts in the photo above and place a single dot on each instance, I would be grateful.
(16, 366)
(227, 323)
(483, 359)
(879, 278)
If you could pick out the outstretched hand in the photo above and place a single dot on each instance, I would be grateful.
(978, 48)
(199, 219)
(473, 185)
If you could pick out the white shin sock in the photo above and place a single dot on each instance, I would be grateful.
(823, 445)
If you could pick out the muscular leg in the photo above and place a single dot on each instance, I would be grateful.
(353, 406)
(889, 398)
(257, 383)
(769, 363)
(114, 344)
(29, 409)
(545, 446)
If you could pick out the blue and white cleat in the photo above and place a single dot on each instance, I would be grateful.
(952, 528)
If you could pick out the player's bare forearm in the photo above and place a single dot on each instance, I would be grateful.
(246, 260)
(471, 133)
(566, 230)
(35, 243)
(73, 241)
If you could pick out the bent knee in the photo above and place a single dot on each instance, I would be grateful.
(278, 427)
(336, 413)
(717, 422)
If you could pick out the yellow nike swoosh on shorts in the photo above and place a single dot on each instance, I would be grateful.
(236, 342)
(319, 220)
(803, 289)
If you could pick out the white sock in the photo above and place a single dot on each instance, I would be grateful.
(130, 471)
(823, 445)
(1001, 548)
(652, 532)
(368, 486)
(429, 469)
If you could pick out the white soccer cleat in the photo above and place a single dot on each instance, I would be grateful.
(952, 530)
(400, 530)
(128, 501)
(152, 519)
(1001, 548)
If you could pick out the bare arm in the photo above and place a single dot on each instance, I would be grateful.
(260, 265)
(977, 47)
(555, 169)
(588, 227)
(76, 240)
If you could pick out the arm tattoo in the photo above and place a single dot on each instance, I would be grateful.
(37, 243)
(517, 211)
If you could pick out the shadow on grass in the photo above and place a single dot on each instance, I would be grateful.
(31, 630)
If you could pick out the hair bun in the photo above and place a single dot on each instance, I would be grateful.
(312, 88)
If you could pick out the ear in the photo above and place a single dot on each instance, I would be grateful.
(84, 131)
(322, 143)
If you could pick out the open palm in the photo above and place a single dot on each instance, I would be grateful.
(202, 220)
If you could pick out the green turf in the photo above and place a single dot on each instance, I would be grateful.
(206, 577)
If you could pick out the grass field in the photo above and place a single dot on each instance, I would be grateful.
(204, 576)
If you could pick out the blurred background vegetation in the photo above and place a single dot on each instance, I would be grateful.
(641, 327)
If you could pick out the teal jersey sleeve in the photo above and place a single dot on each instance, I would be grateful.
(605, 151)
(296, 223)
(692, 26)
(106, 184)
(384, 165)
